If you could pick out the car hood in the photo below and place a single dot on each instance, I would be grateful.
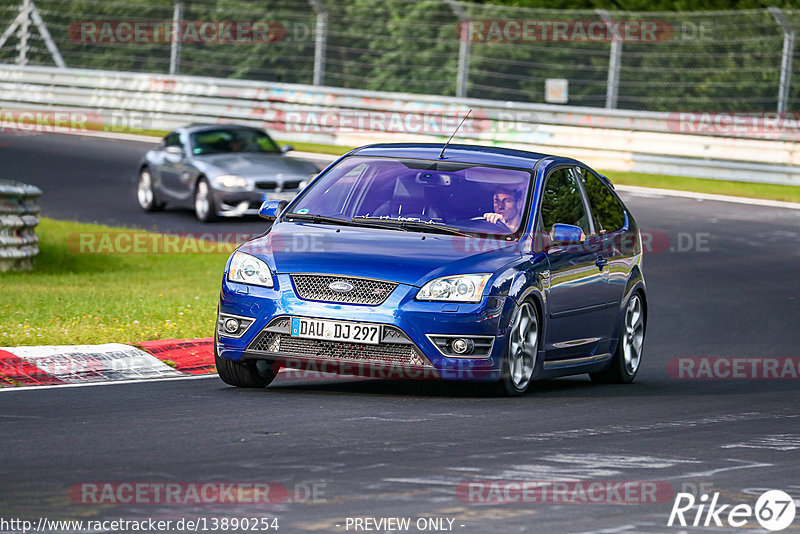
(407, 257)
(256, 165)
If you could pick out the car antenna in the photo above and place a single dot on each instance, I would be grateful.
(441, 154)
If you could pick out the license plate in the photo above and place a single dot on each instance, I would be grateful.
(336, 330)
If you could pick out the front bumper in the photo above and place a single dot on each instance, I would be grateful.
(235, 203)
(406, 350)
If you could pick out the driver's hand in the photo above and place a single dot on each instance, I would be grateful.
(494, 218)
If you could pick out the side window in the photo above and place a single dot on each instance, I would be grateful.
(173, 139)
(607, 213)
(562, 202)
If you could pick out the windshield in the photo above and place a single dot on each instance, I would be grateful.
(225, 140)
(370, 191)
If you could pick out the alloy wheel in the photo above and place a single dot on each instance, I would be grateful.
(523, 345)
(633, 335)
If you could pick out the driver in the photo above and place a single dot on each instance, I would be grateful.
(506, 209)
(236, 145)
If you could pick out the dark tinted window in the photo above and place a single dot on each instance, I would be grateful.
(225, 140)
(607, 213)
(173, 139)
(562, 202)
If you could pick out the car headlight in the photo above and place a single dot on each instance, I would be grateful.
(248, 269)
(231, 181)
(460, 288)
(308, 180)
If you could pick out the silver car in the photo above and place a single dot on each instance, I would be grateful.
(220, 171)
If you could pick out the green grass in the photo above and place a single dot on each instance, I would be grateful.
(319, 148)
(77, 298)
(789, 193)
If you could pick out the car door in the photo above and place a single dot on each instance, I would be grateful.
(577, 296)
(172, 167)
(611, 226)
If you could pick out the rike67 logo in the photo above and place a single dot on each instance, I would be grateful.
(774, 510)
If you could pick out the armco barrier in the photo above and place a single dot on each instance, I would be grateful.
(607, 139)
(18, 219)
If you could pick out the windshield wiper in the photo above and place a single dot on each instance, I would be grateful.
(412, 225)
(322, 219)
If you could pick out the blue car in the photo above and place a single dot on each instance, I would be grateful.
(466, 263)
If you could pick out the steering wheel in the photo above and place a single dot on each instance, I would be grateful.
(499, 223)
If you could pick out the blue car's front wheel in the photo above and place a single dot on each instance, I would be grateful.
(523, 346)
(251, 374)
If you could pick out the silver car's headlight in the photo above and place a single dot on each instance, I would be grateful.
(247, 269)
(230, 181)
(460, 288)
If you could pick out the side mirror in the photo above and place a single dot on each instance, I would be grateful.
(567, 234)
(287, 148)
(270, 209)
(174, 150)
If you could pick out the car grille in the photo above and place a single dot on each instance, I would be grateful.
(365, 291)
(395, 347)
(271, 186)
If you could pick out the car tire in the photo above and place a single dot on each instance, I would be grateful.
(243, 374)
(628, 357)
(519, 363)
(204, 208)
(145, 192)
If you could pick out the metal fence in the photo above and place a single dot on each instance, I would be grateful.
(654, 61)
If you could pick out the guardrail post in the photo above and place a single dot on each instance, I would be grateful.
(462, 78)
(786, 58)
(612, 87)
(22, 25)
(175, 41)
(24, 33)
(320, 41)
(18, 218)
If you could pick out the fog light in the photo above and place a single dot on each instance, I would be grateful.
(462, 346)
(231, 325)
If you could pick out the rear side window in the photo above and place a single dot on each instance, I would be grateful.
(607, 213)
(173, 139)
(562, 202)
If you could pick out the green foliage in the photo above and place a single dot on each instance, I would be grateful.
(724, 60)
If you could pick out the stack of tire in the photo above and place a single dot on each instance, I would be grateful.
(18, 219)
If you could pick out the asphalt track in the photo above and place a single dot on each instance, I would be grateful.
(400, 449)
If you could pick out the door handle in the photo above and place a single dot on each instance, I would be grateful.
(601, 262)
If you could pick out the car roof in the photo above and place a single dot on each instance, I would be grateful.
(487, 155)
